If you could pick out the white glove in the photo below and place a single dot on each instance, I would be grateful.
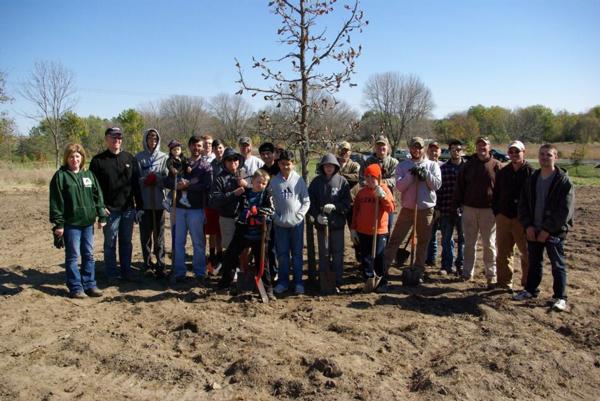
(379, 192)
(322, 219)
(354, 237)
(138, 216)
(328, 208)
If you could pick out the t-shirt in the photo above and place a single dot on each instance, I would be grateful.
(542, 186)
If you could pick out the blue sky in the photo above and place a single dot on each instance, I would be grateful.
(124, 53)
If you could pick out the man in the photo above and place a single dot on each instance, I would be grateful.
(191, 219)
(152, 164)
(211, 217)
(509, 231)
(546, 211)
(473, 195)
(417, 179)
(267, 154)
(251, 163)
(449, 219)
(118, 175)
(433, 153)
(207, 149)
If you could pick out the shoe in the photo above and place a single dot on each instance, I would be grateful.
(430, 263)
(217, 268)
(491, 286)
(560, 305)
(280, 289)
(203, 281)
(78, 295)
(522, 295)
(185, 202)
(299, 289)
(93, 292)
(382, 289)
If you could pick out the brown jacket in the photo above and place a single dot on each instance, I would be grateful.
(475, 183)
(350, 171)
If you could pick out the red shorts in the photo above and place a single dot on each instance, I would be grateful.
(212, 222)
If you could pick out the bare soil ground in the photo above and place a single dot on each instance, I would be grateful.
(447, 340)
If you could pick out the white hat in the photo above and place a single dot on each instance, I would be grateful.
(516, 144)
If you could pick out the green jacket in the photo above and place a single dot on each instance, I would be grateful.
(75, 199)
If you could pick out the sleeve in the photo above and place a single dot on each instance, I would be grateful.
(404, 179)
(355, 211)
(354, 170)
(219, 195)
(313, 210)
(342, 206)
(57, 202)
(496, 193)
(558, 221)
(387, 203)
(135, 178)
(434, 177)
(266, 207)
(391, 181)
(304, 197)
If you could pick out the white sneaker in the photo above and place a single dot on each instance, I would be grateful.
(560, 305)
(522, 295)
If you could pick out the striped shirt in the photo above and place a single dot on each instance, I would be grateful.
(445, 193)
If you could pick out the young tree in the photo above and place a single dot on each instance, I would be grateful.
(132, 124)
(316, 61)
(51, 88)
(7, 125)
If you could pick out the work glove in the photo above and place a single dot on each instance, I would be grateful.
(322, 219)
(354, 237)
(419, 172)
(150, 179)
(59, 242)
(253, 211)
(328, 208)
(138, 216)
(379, 192)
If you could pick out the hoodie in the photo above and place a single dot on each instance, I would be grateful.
(149, 163)
(405, 183)
(291, 200)
(335, 190)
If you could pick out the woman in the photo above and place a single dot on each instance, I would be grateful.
(75, 202)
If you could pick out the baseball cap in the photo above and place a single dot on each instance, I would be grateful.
(114, 132)
(174, 143)
(434, 143)
(417, 140)
(381, 139)
(245, 140)
(344, 145)
(516, 144)
(482, 139)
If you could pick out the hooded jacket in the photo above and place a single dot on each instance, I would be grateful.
(363, 212)
(75, 199)
(291, 200)
(335, 190)
(558, 208)
(406, 183)
(222, 197)
(149, 163)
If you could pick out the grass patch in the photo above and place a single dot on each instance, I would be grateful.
(25, 175)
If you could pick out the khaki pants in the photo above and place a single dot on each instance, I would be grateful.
(402, 230)
(508, 233)
(479, 221)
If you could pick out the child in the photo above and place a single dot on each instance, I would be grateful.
(329, 202)
(177, 165)
(363, 224)
(291, 200)
(256, 208)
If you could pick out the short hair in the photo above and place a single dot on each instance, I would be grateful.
(266, 147)
(286, 155)
(454, 142)
(206, 137)
(260, 173)
(194, 139)
(217, 142)
(549, 146)
(73, 148)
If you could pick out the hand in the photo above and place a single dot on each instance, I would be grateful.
(106, 211)
(59, 232)
(188, 170)
(183, 185)
(419, 172)
(150, 179)
(322, 219)
(543, 236)
(328, 208)
(354, 236)
(138, 216)
(238, 191)
(379, 192)
(242, 182)
(531, 234)
(101, 225)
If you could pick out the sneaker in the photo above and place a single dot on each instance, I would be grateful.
(93, 292)
(185, 202)
(560, 305)
(491, 285)
(78, 295)
(522, 295)
(299, 289)
(280, 289)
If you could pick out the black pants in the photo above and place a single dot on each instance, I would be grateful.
(152, 237)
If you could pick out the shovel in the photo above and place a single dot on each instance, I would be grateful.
(173, 279)
(261, 268)
(412, 275)
(372, 282)
(327, 275)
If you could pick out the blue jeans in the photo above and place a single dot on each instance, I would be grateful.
(191, 220)
(366, 261)
(289, 240)
(80, 241)
(555, 249)
(119, 225)
(447, 225)
(433, 245)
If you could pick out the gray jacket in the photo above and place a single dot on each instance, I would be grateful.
(335, 190)
(152, 162)
(290, 198)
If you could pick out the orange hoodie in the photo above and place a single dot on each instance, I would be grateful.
(364, 211)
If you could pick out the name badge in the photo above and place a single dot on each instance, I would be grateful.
(87, 182)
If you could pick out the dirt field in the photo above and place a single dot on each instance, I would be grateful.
(447, 340)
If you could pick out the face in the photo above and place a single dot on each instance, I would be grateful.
(268, 157)
(455, 152)
(245, 149)
(433, 152)
(232, 165)
(483, 149)
(195, 149)
(547, 157)
(416, 151)
(286, 167)
(328, 169)
(516, 156)
(381, 150)
(259, 184)
(371, 181)
(344, 154)
(207, 146)
(176, 151)
(113, 143)
(218, 150)
(74, 161)
(151, 141)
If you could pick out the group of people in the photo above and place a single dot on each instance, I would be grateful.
(241, 201)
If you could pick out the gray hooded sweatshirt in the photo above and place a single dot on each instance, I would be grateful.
(152, 162)
(334, 190)
(290, 198)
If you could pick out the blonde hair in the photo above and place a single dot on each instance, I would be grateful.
(206, 137)
(260, 173)
(73, 148)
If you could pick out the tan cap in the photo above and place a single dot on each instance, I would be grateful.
(344, 145)
(482, 139)
(434, 143)
(417, 140)
(381, 139)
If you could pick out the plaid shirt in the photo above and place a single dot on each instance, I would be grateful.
(445, 193)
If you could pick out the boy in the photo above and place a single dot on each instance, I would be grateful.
(291, 200)
(363, 223)
(177, 165)
(329, 202)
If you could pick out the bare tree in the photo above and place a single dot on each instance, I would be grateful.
(187, 114)
(313, 60)
(399, 102)
(232, 113)
(51, 88)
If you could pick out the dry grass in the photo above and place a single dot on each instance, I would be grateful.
(25, 176)
(565, 149)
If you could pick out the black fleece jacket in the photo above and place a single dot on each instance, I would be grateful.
(118, 176)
